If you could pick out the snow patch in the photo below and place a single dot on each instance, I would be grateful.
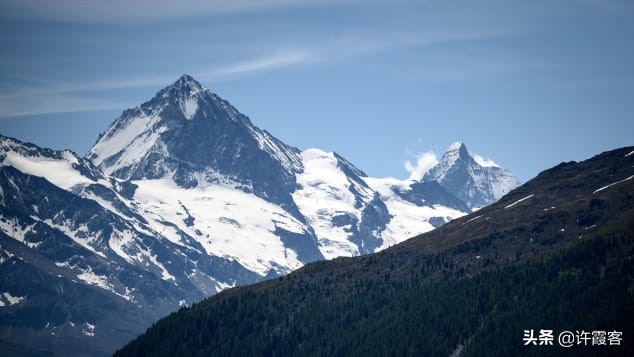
(409, 220)
(80, 235)
(612, 184)
(165, 274)
(5, 255)
(13, 229)
(518, 201)
(473, 219)
(484, 162)
(326, 192)
(119, 240)
(189, 107)
(455, 146)
(222, 286)
(89, 329)
(10, 299)
(107, 204)
(91, 278)
(215, 209)
(386, 186)
(59, 172)
(133, 140)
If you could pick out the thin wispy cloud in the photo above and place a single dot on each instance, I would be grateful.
(69, 97)
(264, 51)
(265, 63)
(15, 99)
(88, 86)
(130, 10)
(55, 103)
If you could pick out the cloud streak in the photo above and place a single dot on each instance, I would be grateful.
(54, 103)
(269, 47)
(68, 97)
(80, 96)
(265, 63)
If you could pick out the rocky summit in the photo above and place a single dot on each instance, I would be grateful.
(477, 182)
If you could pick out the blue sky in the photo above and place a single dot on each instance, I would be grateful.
(526, 83)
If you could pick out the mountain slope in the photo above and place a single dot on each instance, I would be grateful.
(180, 198)
(188, 133)
(553, 254)
(188, 142)
(76, 252)
(473, 180)
(344, 211)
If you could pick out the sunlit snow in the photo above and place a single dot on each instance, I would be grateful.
(234, 224)
(408, 219)
(323, 194)
(134, 139)
(190, 107)
(484, 162)
(59, 172)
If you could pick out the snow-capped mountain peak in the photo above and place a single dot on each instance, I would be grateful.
(475, 180)
(183, 196)
(456, 151)
(186, 92)
(191, 135)
(457, 146)
(186, 83)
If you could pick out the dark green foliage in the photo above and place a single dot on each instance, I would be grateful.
(588, 287)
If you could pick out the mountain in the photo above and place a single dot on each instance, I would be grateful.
(189, 134)
(553, 254)
(187, 142)
(180, 198)
(474, 180)
(82, 265)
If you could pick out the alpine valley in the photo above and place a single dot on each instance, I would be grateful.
(181, 198)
